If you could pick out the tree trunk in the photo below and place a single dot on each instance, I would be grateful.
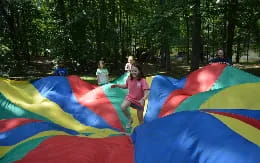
(188, 38)
(231, 25)
(196, 39)
(9, 17)
(115, 52)
(168, 58)
(238, 52)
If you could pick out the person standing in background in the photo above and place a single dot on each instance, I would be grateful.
(129, 64)
(221, 58)
(102, 73)
(61, 70)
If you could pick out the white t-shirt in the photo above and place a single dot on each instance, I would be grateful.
(128, 66)
(102, 75)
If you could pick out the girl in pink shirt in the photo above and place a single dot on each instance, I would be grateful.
(138, 91)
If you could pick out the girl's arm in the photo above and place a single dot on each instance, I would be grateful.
(127, 67)
(119, 86)
(98, 79)
(97, 74)
(107, 78)
(107, 75)
(146, 94)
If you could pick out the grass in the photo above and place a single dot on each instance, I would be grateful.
(177, 70)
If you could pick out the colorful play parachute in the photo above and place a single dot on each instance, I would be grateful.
(211, 115)
(216, 86)
(54, 119)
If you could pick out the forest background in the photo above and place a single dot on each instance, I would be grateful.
(173, 37)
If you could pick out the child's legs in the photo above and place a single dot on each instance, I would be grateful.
(140, 115)
(124, 107)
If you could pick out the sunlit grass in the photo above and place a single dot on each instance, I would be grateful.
(93, 79)
(90, 79)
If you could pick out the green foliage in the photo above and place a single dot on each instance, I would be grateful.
(82, 32)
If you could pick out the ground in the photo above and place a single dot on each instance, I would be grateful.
(41, 67)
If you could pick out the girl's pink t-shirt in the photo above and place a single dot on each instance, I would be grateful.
(136, 90)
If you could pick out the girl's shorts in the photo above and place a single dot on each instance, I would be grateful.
(136, 106)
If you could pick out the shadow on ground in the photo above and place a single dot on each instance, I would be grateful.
(43, 67)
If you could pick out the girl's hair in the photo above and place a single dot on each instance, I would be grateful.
(220, 49)
(130, 57)
(140, 75)
(60, 64)
(101, 61)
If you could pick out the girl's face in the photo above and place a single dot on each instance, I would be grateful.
(134, 71)
(101, 64)
(131, 60)
(220, 54)
(61, 65)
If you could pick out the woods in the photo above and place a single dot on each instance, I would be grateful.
(81, 32)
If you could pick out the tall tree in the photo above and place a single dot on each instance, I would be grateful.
(196, 38)
(8, 11)
(231, 25)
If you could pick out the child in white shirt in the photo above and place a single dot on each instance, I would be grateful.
(129, 64)
(102, 73)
